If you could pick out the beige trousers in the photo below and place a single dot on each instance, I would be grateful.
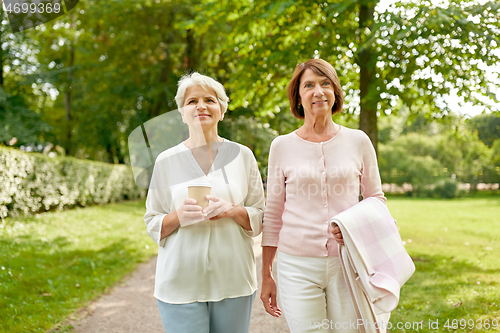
(313, 295)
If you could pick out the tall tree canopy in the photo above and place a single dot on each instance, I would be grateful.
(114, 65)
(417, 51)
(19, 123)
(106, 67)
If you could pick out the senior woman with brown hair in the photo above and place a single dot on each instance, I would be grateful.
(314, 173)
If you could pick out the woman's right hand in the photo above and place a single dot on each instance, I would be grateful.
(337, 234)
(268, 296)
(189, 212)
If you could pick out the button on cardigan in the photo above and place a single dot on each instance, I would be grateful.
(310, 182)
(208, 260)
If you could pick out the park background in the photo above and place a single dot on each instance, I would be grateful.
(420, 78)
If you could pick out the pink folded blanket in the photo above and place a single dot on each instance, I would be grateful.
(377, 256)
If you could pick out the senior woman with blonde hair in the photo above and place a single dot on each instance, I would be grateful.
(314, 173)
(205, 276)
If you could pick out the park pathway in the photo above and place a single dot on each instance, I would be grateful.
(131, 308)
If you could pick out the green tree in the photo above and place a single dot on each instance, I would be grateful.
(487, 126)
(17, 119)
(422, 160)
(495, 162)
(113, 71)
(475, 157)
(416, 52)
(411, 159)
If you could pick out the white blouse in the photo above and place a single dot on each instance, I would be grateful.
(208, 260)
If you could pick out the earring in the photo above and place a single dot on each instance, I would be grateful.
(300, 108)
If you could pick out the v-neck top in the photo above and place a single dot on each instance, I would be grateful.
(310, 182)
(208, 260)
(197, 165)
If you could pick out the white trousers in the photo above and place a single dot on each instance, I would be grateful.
(313, 295)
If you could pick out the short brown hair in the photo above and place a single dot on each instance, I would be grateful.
(319, 67)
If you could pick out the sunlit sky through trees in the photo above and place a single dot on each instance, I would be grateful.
(454, 101)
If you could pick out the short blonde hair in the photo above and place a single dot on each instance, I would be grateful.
(206, 82)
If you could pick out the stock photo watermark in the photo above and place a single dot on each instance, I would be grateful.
(26, 14)
(429, 324)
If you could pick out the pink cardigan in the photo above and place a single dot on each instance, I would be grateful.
(310, 182)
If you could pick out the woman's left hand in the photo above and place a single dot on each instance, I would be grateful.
(337, 234)
(218, 209)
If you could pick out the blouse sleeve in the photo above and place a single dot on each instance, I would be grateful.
(371, 185)
(157, 205)
(254, 202)
(275, 199)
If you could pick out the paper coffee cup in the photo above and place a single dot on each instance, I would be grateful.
(199, 194)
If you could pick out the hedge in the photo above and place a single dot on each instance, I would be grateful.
(33, 183)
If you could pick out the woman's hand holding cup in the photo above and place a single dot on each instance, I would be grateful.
(218, 209)
(189, 212)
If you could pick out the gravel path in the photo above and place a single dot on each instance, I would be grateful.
(131, 307)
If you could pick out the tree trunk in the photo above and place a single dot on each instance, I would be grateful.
(111, 154)
(67, 95)
(366, 60)
(67, 104)
(1, 65)
(2, 106)
(1, 53)
(165, 69)
(191, 58)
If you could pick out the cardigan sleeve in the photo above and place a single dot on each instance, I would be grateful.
(275, 198)
(254, 201)
(371, 185)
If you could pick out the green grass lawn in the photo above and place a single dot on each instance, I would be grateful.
(455, 245)
(54, 263)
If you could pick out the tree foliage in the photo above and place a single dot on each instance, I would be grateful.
(17, 118)
(87, 79)
(487, 127)
(111, 70)
(417, 52)
(426, 160)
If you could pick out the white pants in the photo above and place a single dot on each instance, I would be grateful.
(313, 294)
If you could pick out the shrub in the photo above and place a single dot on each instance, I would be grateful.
(33, 182)
(423, 160)
(398, 166)
(446, 188)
